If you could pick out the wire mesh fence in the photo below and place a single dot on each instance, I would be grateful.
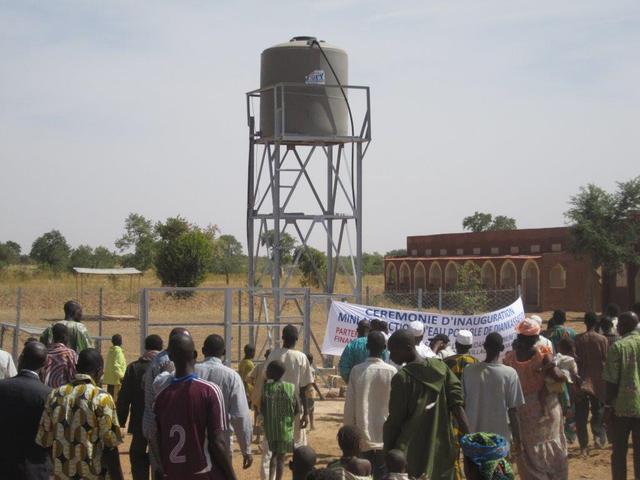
(455, 301)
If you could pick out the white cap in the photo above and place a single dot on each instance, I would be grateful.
(464, 337)
(416, 328)
(536, 319)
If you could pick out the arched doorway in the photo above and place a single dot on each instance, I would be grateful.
(531, 284)
(450, 276)
(419, 277)
(508, 275)
(392, 277)
(405, 277)
(435, 276)
(488, 275)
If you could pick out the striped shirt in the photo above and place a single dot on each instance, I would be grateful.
(278, 409)
(60, 367)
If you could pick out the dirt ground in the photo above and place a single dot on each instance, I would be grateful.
(323, 440)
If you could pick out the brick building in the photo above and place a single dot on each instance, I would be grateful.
(537, 260)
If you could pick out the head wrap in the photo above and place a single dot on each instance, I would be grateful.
(537, 319)
(488, 452)
(528, 328)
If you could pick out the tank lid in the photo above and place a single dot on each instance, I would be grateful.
(304, 41)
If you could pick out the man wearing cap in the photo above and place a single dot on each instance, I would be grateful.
(416, 329)
(542, 340)
(458, 362)
(356, 351)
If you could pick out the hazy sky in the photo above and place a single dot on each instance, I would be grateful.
(505, 106)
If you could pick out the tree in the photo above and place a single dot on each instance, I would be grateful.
(82, 257)
(313, 266)
(51, 250)
(140, 236)
(227, 256)
(372, 263)
(184, 253)
(400, 252)
(104, 258)
(9, 253)
(469, 296)
(606, 227)
(287, 245)
(482, 222)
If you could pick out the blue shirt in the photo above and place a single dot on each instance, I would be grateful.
(354, 353)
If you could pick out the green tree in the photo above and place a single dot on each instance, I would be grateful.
(482, 222)
(9, 253)
(313, 266)
(469, 296)
(51, 250)
(287, 245)
(606, 228)
(400, 252)
(139, 236)
(372, 263)
(227, 256)
(82, 257)
(184, 253)
(104, 258)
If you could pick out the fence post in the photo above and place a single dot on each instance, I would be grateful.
(307, 321)
(16, 330)
(100, 318)
(144, 318)
(439, 299)
(367, 296)
(228, 316)
(419, 298)
(519, 291)
(240, 350)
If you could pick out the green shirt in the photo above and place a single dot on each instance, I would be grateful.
(278, 409)
(623, 369)
(79, 337)
(419, 421)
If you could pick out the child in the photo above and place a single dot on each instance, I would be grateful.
(396, 465)
(279, 405)
(304, 459)
(565, 359)
(311, 393)
(245, 367)
(351, 466)
(255, 399)
(115, 366)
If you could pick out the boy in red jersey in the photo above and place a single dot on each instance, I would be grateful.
(191, 420)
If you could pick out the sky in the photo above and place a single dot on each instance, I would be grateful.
(502, 106)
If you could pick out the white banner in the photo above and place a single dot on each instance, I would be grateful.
(344, 317)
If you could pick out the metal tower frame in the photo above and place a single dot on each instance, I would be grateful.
(336, 213)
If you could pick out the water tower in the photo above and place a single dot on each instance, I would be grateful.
(305, 165)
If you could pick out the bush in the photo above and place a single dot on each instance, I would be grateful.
(184, 254)
(51, 250)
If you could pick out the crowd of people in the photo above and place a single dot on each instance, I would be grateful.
(415, 408)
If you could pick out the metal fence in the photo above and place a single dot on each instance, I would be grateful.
(458, 301)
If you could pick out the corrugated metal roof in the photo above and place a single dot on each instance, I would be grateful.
(107, 271)
(471, 257)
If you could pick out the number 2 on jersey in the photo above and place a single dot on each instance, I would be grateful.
(174, 456)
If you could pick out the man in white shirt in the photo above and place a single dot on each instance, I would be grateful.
(492, 393)
(367, 401)
(7, 367)
(416, 329)
(542, 340)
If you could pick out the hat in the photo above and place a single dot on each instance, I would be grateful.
(537, 319)
(464, 337)
(416, 328)
(528, 328)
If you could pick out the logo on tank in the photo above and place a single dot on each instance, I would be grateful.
(316, 77)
